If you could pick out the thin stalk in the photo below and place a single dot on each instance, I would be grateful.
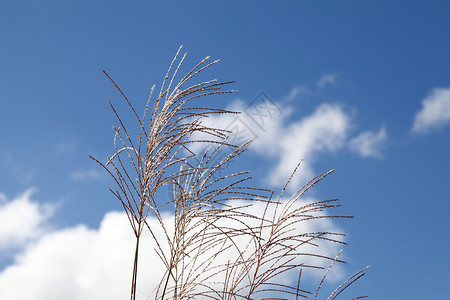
(165, 285)
(135, 265)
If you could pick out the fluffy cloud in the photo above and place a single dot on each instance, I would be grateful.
(73, 263)
(266, 124)
(435, 112)
(81, 263)
(325, 130)
(369, 143)
(22, 219)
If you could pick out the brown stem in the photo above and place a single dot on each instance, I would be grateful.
(133, 282)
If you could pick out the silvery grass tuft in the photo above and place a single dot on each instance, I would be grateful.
(217, 246)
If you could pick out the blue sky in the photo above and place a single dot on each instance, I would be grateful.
(363, 87)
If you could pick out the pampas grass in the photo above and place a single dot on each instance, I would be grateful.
(217, 247)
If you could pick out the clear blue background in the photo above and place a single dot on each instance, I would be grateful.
(390, 54)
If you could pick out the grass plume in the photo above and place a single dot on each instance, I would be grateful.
(217, 246)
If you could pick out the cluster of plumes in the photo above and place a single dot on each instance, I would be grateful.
(216, 248)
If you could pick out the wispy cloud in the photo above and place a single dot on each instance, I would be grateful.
(435, 112)
(327, 79)
(86, 174)
(22, 219)
(294, 93)
(369, 143)
(65, 147)
(16, 168)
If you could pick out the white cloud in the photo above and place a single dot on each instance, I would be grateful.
(22, 219)
(325, 130)
(86, 174)
(81, 263)
(435, 112)
(73, 263)
(327, 79)
(369, 143)
(294, 93)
